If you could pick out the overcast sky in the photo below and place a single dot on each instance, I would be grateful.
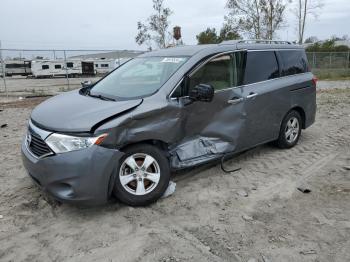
(111, 24)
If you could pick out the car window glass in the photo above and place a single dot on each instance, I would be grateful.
(218, 73)
(139, 77)
(260, 66)
(232, 76)
(294, 62)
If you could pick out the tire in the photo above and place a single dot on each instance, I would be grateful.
(289, 126)
(155, 177)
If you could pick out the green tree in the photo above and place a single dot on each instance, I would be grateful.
(327, 46)
(209, 36)
(227, 32)
(155, 29)
(341, 48)
(311, 39)
(316, 47)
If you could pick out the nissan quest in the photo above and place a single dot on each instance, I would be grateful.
(167, 110)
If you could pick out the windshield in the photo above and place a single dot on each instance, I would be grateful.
(138, 78)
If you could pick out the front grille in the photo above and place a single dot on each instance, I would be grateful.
(37, 145)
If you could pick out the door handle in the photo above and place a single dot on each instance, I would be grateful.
(235, 100)
(251, 95)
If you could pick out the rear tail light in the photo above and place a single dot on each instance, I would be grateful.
(314, 80)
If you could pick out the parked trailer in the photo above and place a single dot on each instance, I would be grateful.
(53, 68)
(57, 68)
(104, 66)
(88, 68)
(16, 67)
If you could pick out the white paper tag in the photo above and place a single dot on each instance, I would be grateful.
(175, 60)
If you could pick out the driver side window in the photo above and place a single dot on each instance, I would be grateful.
(221, 72)
(218, 73)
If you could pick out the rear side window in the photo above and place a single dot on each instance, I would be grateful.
(260, 66)
(294, 62)
(44, 67)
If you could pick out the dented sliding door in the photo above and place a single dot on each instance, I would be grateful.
(211, 128)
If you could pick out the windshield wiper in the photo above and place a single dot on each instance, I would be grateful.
(100, 97)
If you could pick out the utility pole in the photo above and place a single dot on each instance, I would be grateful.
(3, 71)
(65, 64)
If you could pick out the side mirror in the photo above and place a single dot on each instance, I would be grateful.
(202, 92)
(86, 84)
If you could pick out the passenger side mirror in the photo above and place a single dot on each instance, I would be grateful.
(202, 92)
(86, 84)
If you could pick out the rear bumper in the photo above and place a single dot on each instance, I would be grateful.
(310, 114)
(82, 176)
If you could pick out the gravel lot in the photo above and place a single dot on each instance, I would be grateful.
(255, 214)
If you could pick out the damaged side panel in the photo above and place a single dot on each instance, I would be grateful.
(212, 129)
(195, 133)
(153, 121)
(198, 150)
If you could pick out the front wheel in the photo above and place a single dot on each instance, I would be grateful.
(290, 130)
(143, 175)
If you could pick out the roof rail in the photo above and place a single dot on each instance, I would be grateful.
(257, 41)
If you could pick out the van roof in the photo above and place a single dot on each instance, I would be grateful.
(191, 50)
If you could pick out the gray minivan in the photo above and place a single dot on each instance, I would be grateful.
(167, 110)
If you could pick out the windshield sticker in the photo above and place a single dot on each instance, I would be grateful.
(175, 60)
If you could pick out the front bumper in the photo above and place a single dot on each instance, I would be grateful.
(85, 176)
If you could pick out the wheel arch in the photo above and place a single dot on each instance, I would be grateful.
(301, 111)
(154, 142)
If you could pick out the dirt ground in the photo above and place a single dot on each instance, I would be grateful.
(255, 214)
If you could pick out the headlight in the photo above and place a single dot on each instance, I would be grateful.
(63, 143)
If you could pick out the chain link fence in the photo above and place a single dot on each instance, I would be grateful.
(34, 72)
(330, 65)
(30, 72)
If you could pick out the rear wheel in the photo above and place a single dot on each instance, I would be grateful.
(143, 175)
(290, 130)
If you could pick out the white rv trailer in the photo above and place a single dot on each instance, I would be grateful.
(104, 66)
(16, 67)
(52, 68)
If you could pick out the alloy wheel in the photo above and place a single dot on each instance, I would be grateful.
(292, 130)
(139, 174)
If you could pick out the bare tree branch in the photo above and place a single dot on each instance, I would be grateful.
(256, 18)
(155, 30)
(302, 11)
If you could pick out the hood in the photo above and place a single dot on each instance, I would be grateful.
(73, 112)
